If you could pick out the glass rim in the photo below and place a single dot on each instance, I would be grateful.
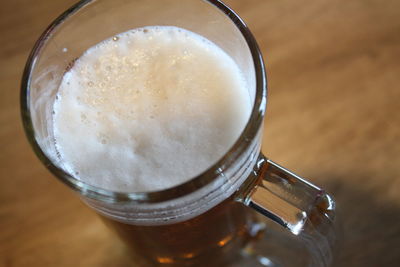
(193, 184)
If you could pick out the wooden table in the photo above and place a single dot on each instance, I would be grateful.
(333, 116)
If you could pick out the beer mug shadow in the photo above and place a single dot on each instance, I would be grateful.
(369, 232)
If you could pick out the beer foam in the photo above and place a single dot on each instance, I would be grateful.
(148, 109)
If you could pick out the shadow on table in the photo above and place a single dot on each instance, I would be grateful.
(370, 227)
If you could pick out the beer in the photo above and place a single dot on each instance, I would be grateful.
(213, 238)
(147, 110)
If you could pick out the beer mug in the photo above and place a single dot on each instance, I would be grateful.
(210, 220)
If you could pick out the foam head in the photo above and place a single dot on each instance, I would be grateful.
(149, 109)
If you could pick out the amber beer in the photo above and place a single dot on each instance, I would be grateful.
(213, 238)
(148, 110)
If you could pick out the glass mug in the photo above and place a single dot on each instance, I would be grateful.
(210, 219)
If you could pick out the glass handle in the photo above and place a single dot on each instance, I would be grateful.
(301, 207)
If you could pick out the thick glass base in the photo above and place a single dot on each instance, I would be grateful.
(276, 247)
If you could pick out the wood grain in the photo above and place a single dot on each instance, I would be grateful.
(333, 117)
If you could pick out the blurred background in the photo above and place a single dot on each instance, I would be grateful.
(333, 117)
